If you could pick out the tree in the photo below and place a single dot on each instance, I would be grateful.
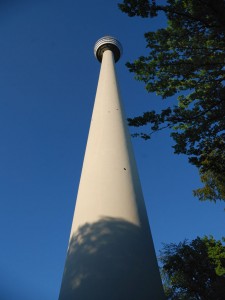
(194, 270)
(187, 59)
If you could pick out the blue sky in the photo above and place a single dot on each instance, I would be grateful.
(48, 79)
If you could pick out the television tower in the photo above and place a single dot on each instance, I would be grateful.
(110, 255)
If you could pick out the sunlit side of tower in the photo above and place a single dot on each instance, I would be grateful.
(110, 254)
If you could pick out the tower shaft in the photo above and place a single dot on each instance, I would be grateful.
(108, 184)
(111, 254)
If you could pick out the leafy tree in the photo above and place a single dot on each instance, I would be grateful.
(187, 59)
(194, 270)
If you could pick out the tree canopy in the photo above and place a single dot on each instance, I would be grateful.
(194, 270)
(187, 60)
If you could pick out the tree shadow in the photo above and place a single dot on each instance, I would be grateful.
(110, 260)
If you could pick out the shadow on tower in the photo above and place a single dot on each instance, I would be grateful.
(109, 260)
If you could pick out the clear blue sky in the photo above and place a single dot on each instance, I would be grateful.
(48, 78)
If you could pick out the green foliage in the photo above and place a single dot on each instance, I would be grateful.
(214, 187)
(194, 270)
(186, 59)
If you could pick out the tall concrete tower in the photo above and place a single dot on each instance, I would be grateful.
(110, 254)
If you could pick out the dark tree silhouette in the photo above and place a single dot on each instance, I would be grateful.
(194, 270)
(186, 60)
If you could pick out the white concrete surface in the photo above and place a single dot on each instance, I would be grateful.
(110, 218)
